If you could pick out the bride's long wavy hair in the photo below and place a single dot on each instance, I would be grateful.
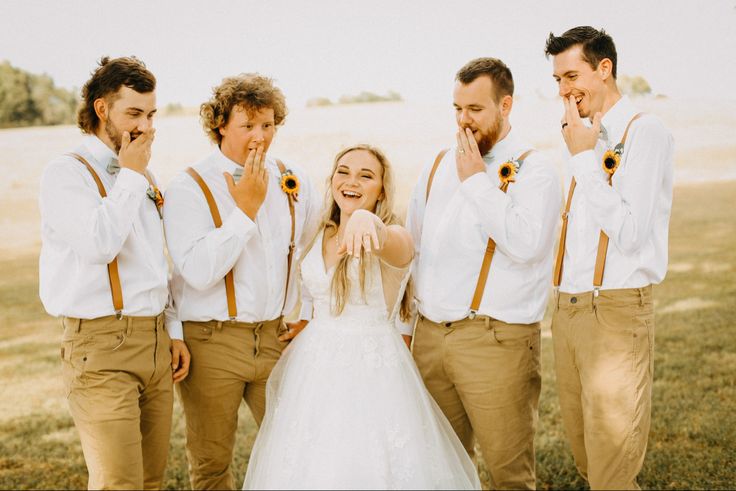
(331, 221)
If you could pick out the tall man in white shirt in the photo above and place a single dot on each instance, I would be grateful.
(103, 271)
(234, 259)
(483, 220)
(613, 247)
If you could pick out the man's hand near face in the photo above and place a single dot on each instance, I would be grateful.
(250, 192)
(468, 159)
(136, 154)
(578, 137)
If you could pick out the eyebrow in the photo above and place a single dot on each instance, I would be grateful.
(367, 170)
(138, 109)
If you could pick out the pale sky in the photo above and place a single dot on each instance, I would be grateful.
(330, 48)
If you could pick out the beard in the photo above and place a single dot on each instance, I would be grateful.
(116, 136)
(489, 137)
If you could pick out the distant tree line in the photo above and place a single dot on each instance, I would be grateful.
(634, 85)
(27, 99)
(361, 98)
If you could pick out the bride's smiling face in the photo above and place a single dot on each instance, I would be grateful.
(357, 182)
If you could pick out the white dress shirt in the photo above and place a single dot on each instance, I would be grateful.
(452, 232)
(258, 251)
(634, 213)
(81, 232)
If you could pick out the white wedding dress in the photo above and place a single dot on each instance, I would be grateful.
(346, 407)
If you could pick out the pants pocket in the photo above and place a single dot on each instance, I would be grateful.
(72, 365)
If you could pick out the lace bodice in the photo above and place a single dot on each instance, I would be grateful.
(384, 286)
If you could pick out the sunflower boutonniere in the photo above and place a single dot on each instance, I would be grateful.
(290, 184)
(611, 159)
(508, 170)
(154, 193)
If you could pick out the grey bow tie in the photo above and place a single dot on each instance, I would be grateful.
(237, 174)
(113, 167)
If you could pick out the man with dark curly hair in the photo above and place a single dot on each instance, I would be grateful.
(104, 272)
(232, 222)
(613, 248)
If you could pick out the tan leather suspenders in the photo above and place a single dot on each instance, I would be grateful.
(600, 260)
(490, 246)
(112, 267)
(232, 309)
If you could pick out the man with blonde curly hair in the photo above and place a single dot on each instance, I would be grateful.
(232, 222)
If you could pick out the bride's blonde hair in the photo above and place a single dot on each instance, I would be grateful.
(331, 221)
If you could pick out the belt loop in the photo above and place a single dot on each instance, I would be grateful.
(129, 329)
(78, 326)
(487, 321)
(594, 299)
(641, 296)
(557, 299)
(219, 325)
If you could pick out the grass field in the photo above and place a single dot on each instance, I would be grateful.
(693, 439)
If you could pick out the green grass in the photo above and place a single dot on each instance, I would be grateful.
(692, 443)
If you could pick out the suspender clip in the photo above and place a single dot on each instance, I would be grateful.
(472, 314)
(596, 292)
(292, 245)
(564, 215)
(231, 319)
(118, 314)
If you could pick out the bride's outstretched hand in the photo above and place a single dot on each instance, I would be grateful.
(365, 231)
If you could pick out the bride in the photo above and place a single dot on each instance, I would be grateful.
(346, 406)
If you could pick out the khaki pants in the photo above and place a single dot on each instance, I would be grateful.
(485, 376)
(231, 361)
(603, 358)
(117, 375)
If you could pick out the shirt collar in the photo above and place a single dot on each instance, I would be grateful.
(101, 154)
(504, 150)
(223, 163)
(615, 120)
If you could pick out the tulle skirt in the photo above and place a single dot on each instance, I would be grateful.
(347, 409)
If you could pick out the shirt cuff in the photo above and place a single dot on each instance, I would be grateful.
(238, 223)
(175, 329)
(404, 328)
(305, 313)
(132, 181)
(480, 186)
(586, 165)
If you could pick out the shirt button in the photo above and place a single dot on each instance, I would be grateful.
(574, 300)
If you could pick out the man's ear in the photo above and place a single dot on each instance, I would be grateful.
(605, 68)
(506, 103)
(101, 108)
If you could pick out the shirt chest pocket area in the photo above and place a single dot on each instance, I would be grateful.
(463, 231)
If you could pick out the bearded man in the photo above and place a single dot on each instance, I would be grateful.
(483, 219)
(104, 272)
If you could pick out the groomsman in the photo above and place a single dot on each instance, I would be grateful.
(613, 247)
(233, 221)
(483, 218)
(103, 271)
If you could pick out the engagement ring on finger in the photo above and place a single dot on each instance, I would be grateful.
(461, 151)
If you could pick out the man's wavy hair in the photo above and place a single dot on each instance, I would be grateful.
(250, 91)
(596, 45)
(106, 80)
